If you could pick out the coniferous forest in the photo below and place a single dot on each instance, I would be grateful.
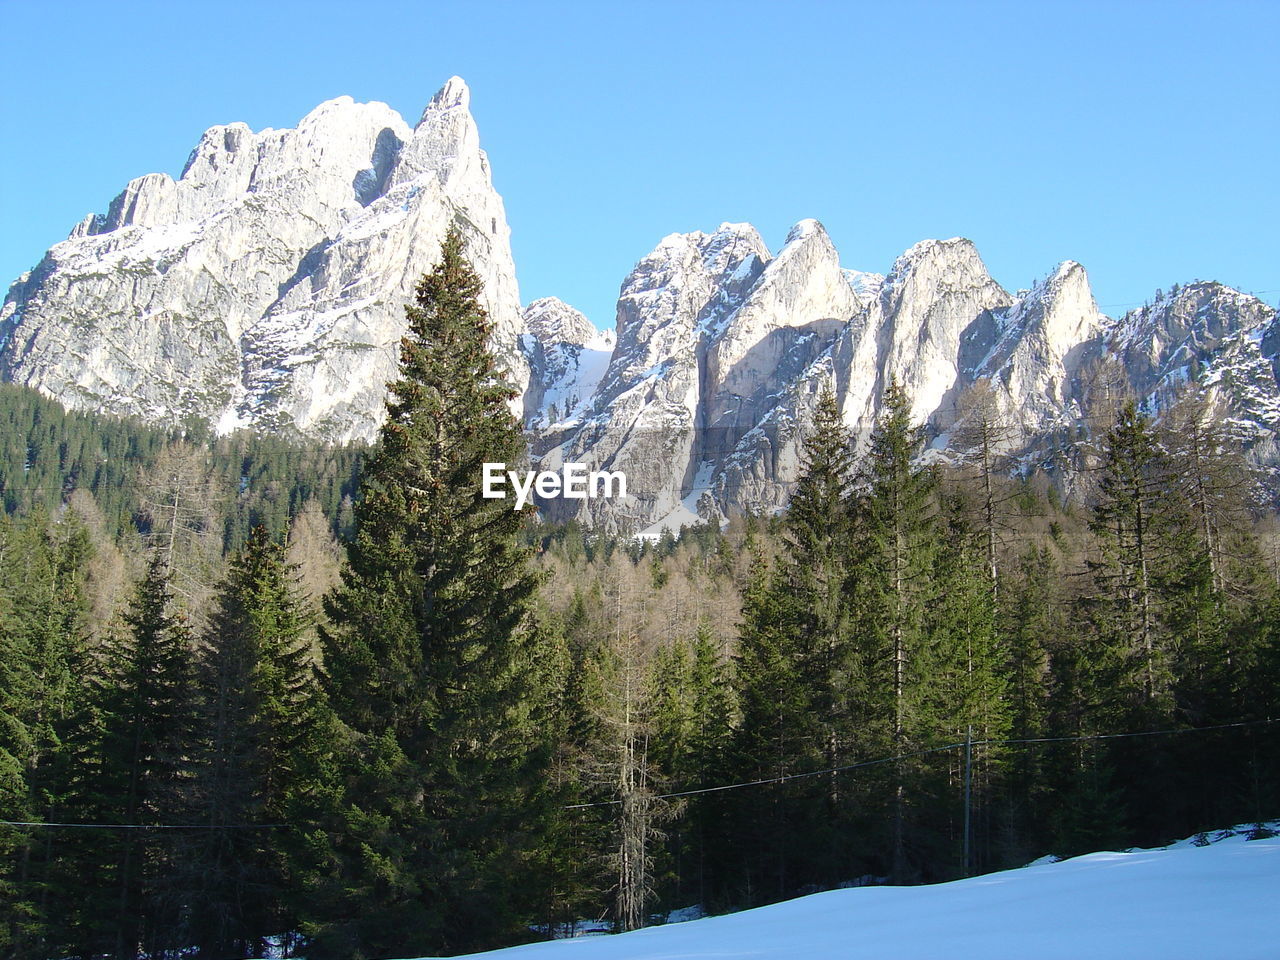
(256, 695)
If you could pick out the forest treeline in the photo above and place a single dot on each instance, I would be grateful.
(131, 470)
(245, 705)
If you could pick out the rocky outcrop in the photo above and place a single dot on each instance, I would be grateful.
(567, 356)
(1209, 334)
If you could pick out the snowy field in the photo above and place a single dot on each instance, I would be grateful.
(1184, 902)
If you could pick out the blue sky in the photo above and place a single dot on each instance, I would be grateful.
(1140, 138)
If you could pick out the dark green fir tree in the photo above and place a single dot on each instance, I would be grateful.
(258, 773)
(42, 671)
(796, 673)
(432, 654)
(138, 734)
(894, 589)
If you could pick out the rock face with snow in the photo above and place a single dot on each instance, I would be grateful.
(567, 356)
(266, 286)
(1210, 334)
(724, 348)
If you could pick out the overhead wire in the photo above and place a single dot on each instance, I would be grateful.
(919, 753)
(719, 788)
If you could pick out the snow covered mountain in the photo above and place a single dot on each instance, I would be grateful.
(723, 349)
(265, 288)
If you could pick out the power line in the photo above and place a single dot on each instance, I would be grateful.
(144, 826)
(920, 753)
(782, 779)
(701, 790)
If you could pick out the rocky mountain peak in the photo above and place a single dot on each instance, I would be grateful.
(1224, 339)
(935, 316)
(1063, 308)
(567, 356)
(551, 321)
(266, 287)
(454, 94)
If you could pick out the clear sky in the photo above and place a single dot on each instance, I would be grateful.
(1140, 138)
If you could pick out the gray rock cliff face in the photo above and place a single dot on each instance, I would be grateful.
(1207, 333)
(566, 356)
(266, 286)
(723, 350)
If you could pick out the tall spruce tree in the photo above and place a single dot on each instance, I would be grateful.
(893, 586)
(1132, 521)
(796, 673)
(257, 770)
(961, 670)
(1148, 566)
(430, 654)
(130, 766)
(42, 672)
(1033, 619)
(818, 535)
(776, 737)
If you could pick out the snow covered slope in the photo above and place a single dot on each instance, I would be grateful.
(1186, 902)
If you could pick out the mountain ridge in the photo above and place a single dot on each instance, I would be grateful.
(264, 288)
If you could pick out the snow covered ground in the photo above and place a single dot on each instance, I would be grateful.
(1183, 902)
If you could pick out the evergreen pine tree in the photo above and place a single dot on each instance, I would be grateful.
(130, 768)
(795, 669)
(961, 672)
(42, 672)
(1033, 619)
(777, 736)
(703, 764)
(893, 587)
(430, 651)
(818, 538)
(256, 774)
(1131, 520)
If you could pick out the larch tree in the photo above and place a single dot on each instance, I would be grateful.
(985, 433)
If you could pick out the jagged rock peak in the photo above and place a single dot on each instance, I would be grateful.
(723, 247)
(1067, 287)
(266, 286)
(865, 284)
(803, 229)
(929, 251)
(552, 320)
(454, 93)
(804, 233)
(944, 273)
(688, 275)
(1197, 303)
